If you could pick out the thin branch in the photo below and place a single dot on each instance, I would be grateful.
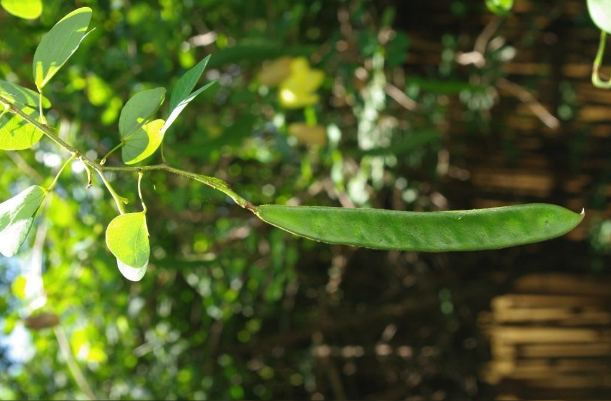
(119, 200)
(64, 345)
(596, 80)
(533, 104)
(213, 182)
(398, 96)
(59, 173)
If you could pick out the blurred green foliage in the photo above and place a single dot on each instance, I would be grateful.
(220, 286)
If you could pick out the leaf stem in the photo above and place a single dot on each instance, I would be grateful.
(103, 161)
(6, 109)
(89, 175)
(596, 80)
(140, 174)
(119, 200)
(213, 182)
(59, 173)
(163, 160)
(40, 110)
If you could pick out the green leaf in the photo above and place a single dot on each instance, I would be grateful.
(59, 44)
(27, 9)
(16, 217)
(16, 133)
(17, 94)
(463, 230)
(186, 83)
(143, 143)
(600, 12)
(181, 106)
(132, 273)
(181, 95)
(500, 7)
(127, 239)
(139, 109)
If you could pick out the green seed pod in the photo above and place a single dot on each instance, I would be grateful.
(462, 230)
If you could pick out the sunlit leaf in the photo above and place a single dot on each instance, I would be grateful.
(186, 83)
(299, 89)
(132, 273)
(18, 287)
(181, 95)
(27, 9)
(180, 107)
(127, 239)
(600, 12)
(18, 94)
(143, 143)
(16, 217)
(139, 109)
(59, 44)
(16, 133)
(500, 7)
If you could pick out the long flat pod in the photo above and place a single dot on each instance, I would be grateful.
(465, 230)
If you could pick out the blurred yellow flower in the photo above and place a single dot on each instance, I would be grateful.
(309, 134)
(275, 71)
(298, 89)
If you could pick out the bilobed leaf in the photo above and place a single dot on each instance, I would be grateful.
(16, 133)
(59, 44)
(18, 94)
(127, 239)
(27, 9)
(186, 83)
(500, 7)
(143, 143)
(139, 109)
(16, 217)
(600, 12)
(460, 230)
(180, 107)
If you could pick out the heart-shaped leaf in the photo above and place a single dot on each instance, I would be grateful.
(17, 94)
(16, 217)
(182, 96)
(59, 44)
(27, 9)
(143, 143)
(127, 238)
(139, 109)
(600, 12)
(16, 133)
